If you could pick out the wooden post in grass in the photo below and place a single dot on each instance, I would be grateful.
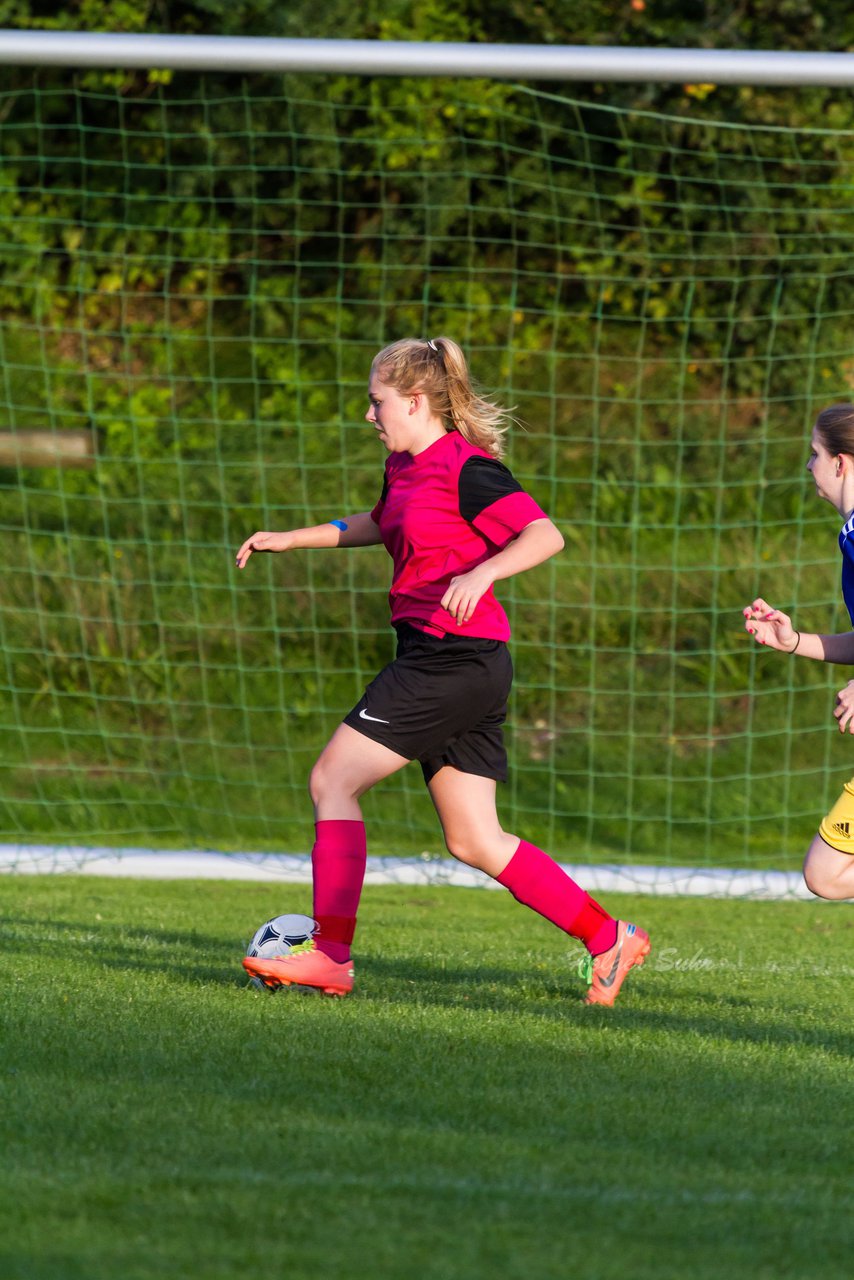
(46, 449)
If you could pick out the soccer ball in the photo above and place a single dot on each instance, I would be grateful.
(276, 937)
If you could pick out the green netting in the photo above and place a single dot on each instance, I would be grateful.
(197, 284)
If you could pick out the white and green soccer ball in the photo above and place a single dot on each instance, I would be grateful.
(277, 937)
(280, 935)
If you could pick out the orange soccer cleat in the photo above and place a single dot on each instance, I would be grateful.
(606, 972)
(305, 966)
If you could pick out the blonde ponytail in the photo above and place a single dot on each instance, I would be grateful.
(437, 369)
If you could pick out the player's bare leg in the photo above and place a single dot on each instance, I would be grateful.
(466, 807)
(348, 766)
(827, 872)
(473, 834)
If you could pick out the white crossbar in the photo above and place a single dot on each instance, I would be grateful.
(424, 58)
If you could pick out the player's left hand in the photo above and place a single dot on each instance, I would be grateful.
(770, 626)
(845, 708)
(464, 592)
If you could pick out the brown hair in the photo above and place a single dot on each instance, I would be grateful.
(835, 425)
(436, 367)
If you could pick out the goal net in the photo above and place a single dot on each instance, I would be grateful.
(194, 281)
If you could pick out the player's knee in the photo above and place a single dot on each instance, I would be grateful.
(465, 848)
(824, 885)
(813, 880)
(320, 782)
(327, 783)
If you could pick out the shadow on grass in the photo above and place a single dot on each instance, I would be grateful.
(124, 947)
(398, 981)
(664, 1006)
(737, 1019)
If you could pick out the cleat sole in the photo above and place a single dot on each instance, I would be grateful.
(307, 988)
(277, 979)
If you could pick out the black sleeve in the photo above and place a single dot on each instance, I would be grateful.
(375, 514)
(482, 482)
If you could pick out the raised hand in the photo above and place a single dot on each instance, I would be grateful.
(770, 626)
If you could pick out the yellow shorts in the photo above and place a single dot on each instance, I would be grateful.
(837, 829)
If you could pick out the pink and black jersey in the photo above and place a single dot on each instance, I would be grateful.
(441, 513)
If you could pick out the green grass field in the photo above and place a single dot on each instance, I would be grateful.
(461, 1116)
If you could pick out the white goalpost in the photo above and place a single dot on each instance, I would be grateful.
(195, 275)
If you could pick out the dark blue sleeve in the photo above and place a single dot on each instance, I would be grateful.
(846, 546)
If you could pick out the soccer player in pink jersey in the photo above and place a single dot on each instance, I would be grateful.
(454, 521)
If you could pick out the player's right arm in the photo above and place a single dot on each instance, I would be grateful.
(359, 530)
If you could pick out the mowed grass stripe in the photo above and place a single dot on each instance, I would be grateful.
(461, 1115)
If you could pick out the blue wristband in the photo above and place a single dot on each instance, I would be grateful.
(339, 524)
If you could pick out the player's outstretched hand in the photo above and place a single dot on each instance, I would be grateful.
(770, 626)
(263, 541)
(845, 708)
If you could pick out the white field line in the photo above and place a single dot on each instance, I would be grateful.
(295, 868)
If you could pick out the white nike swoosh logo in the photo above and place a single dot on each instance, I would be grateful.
(363, 715)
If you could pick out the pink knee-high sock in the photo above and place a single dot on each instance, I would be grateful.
(338, 868)
(538, 882)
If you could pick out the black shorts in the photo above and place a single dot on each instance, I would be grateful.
(441, 702)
